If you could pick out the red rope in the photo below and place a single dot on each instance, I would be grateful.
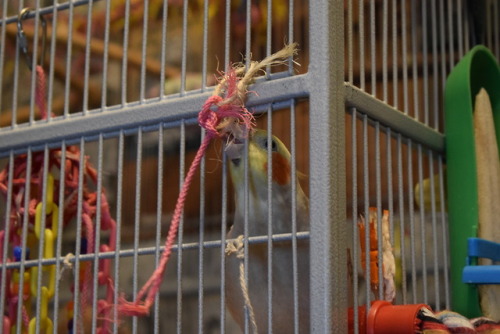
(213, 113)
(40, 90)
(72, 165)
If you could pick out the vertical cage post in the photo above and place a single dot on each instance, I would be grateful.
(327, 167)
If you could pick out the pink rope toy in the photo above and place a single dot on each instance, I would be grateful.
(222, 116)
(72, 165)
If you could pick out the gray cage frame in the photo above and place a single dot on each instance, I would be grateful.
(329, 97)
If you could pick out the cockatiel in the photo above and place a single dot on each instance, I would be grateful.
(282, 268)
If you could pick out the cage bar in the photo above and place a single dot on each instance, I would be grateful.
(3, 285)
(119, 200)
(69, 50)
(270, 224)
(327, 184)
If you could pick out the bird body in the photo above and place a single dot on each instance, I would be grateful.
(282, 269)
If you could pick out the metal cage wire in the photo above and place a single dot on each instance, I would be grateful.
(362, 117)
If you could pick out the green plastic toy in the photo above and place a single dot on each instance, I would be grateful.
(478, 68)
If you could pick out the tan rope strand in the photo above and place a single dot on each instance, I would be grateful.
(279, 58)
(237, 247)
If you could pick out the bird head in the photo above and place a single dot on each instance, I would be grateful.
(259, 143)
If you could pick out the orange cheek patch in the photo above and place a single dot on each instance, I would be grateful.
(281, 169)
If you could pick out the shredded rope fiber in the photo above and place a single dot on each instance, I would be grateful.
(222, 116)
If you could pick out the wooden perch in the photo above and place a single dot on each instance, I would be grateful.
(79, 40)
(94, 91)
(23, 113)
(76, 95)
(488, 189)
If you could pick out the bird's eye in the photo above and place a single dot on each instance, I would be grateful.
(274, 146)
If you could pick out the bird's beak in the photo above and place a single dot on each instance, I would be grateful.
(234, 150)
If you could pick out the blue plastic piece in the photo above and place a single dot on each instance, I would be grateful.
(84, 246)
(18, 252)
(484, 274)
(483, 248)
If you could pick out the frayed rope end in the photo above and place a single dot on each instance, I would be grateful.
(229, 118)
